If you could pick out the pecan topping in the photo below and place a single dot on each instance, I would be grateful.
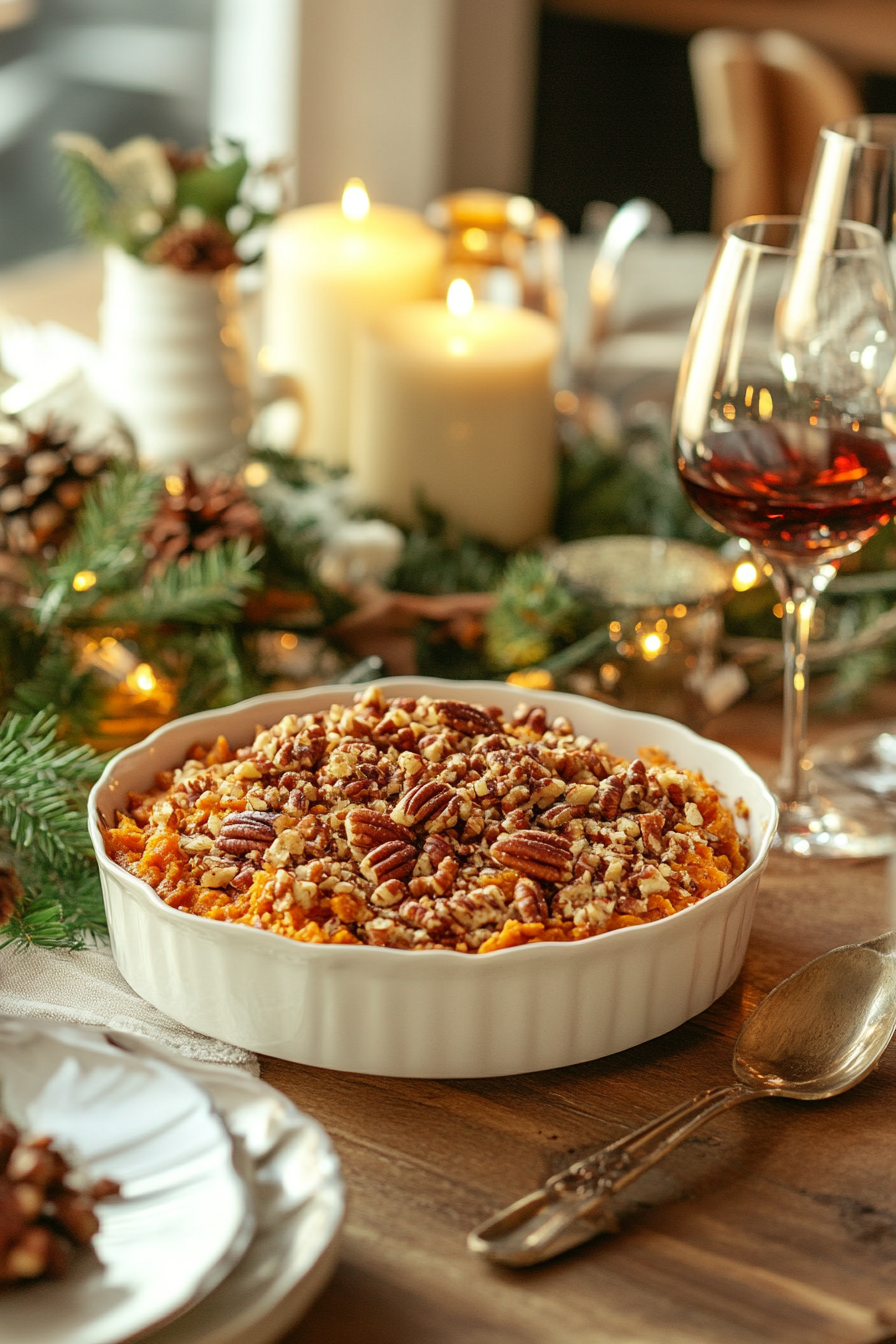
(416, 823)
(433, 803)
(469, 720)
(535, 854)
(245, 831)
(394, 859)
(365, 829)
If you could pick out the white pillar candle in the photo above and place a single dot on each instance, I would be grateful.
(330, 268)
(454, 404)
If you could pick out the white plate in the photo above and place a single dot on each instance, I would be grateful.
(184, 1216)
(299, 1203)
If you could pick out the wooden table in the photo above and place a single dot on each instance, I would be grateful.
(775, 1222)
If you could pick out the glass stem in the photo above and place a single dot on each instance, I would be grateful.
(798, 587)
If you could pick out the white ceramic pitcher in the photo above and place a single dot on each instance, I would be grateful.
(174, 359)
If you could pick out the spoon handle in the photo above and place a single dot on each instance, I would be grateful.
(574, 1205)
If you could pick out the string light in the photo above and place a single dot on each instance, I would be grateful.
(744, 576)
(84, 579)
(256, 474)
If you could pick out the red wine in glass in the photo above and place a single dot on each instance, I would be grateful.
(802, 492)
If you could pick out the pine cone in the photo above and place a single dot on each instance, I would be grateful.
(206, 248)
(183, 160)
(196, 517)
(42, 484)
(11, 893)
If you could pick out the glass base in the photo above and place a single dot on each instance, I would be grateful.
(836, 826)
(863, 759)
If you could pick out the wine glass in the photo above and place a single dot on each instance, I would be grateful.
(783, 431)
(854, 177)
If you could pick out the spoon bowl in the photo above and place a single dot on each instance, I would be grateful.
(823, 1029)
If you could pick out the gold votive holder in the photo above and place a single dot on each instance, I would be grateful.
(507, 248)
(661, 601)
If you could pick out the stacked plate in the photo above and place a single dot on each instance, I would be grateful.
(231, 1200)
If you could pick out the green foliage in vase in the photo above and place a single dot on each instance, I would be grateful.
(198, 210)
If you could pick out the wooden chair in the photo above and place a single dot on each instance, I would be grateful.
(761, 101)
(807, 91)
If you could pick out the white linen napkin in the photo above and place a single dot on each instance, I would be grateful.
(88, 988)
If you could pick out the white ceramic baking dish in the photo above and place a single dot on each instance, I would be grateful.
(436, 1014)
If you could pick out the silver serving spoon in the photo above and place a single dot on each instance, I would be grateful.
(816, 1034)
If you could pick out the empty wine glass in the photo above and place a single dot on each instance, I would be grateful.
(854, 177)
(782, 428)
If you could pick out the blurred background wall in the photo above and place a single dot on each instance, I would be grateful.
(574, 100)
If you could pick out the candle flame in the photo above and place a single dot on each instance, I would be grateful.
(355, 201)
(460, 298)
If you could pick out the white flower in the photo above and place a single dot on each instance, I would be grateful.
(138, 169)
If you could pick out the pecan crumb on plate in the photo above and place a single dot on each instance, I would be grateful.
(421, 823)
(46, 1208)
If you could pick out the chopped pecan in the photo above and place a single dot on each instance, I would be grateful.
(558, 816)
(608, 798)
(245, 831)
(304, 750)
(423, 916)
(652, 825)
(394, 858)
(389, 893)
(528, 898)
(467, 719)
(365, 829)
(443, 867)
(535, 854)
(433, 804)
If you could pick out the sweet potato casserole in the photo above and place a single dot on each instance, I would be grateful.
(421, 823)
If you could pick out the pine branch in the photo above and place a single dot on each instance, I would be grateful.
(219, 671)
(534, 611)
(210, 588)
(116, 511)
(56, 685)
(42, 788)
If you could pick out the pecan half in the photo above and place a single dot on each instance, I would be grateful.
(394, 859)
(535, 854)
(467, 719)
(365, 829)
(245, 831)
(428, 803)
